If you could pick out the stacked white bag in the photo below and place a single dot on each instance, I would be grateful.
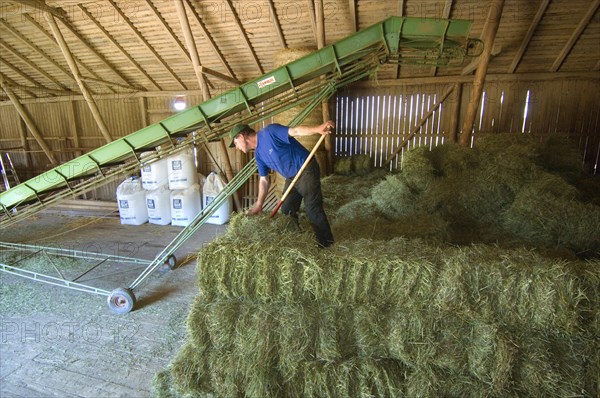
(212, 188)
(185, 205)
(158, 203)
(182, 170)
(131, 199)
(168, 193)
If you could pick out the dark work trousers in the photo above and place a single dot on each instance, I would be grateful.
(308, 187)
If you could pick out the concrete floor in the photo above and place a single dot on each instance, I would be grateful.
(58, 342)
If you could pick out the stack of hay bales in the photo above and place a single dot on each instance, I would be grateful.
(392, 309)
(384, 318)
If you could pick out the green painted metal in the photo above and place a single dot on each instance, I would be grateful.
(397, 39)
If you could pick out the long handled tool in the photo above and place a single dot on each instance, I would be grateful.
(298, 174)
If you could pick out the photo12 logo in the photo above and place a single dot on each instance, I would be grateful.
(69, 331)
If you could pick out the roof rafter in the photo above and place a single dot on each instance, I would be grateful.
(32, 65)
(83, 41)
(575, 36)
(193, 51)
(119, 47)
(276, 24)
(145, 42)
(532, 28)
(53, 41)
(28, 120)
(75, 70)
(245, 37)
(35, 49)
(20, 73)
(213, 44)
(445, 15)
(37, 5)
(12, 84)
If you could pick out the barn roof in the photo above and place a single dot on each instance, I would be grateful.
(140, 46)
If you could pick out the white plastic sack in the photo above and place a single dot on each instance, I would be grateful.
(185, 205)
(212, 188)
(131, 199)
(182, 169)
(158, 204)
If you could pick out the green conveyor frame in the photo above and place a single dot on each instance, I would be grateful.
(396, 39)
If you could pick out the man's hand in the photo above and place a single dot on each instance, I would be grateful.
(257, 209)
(326, 127)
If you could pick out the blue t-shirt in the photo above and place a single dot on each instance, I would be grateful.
(276, 150)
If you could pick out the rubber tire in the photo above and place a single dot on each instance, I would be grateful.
(121, 300)
(171, 262)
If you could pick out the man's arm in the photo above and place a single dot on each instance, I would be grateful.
(263, 188)
(310, 130)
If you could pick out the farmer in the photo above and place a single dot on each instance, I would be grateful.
(275, 148)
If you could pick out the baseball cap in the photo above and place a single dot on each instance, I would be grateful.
(238, 128)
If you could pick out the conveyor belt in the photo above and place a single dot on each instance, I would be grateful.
(412, 40)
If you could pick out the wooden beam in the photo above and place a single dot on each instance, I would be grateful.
(467, 70)
(400, 13)
(532, 28)
(170, 31)
(35, 49)
(36, 91)
(420, 124)
(75, 70)
(220, 76)
(23, 75)
(25, 144)
(488, 36)
(445, 15)
(353, 16)
(33, 66)
(276, 24)
(575, 36)
(321, 40)
(313, 17)
(145, 42)
(245, 37)
(96, 53)
(53, 41)
(191, 47)
(23, 89)
(37, 5)
(455, 115)
(74, 128)
(212, 43)
(28, 121)
(109, 37)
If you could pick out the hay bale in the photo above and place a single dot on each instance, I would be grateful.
(394, 197)
(417, 170)
(560, 156)
(548, 220)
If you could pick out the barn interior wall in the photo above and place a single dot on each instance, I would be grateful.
(375, 120)
(370, 120)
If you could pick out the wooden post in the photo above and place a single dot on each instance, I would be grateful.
(492, 22)
(191, 46)
(75, 71)
(455, 116)
(28, 121)
(320, 20)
